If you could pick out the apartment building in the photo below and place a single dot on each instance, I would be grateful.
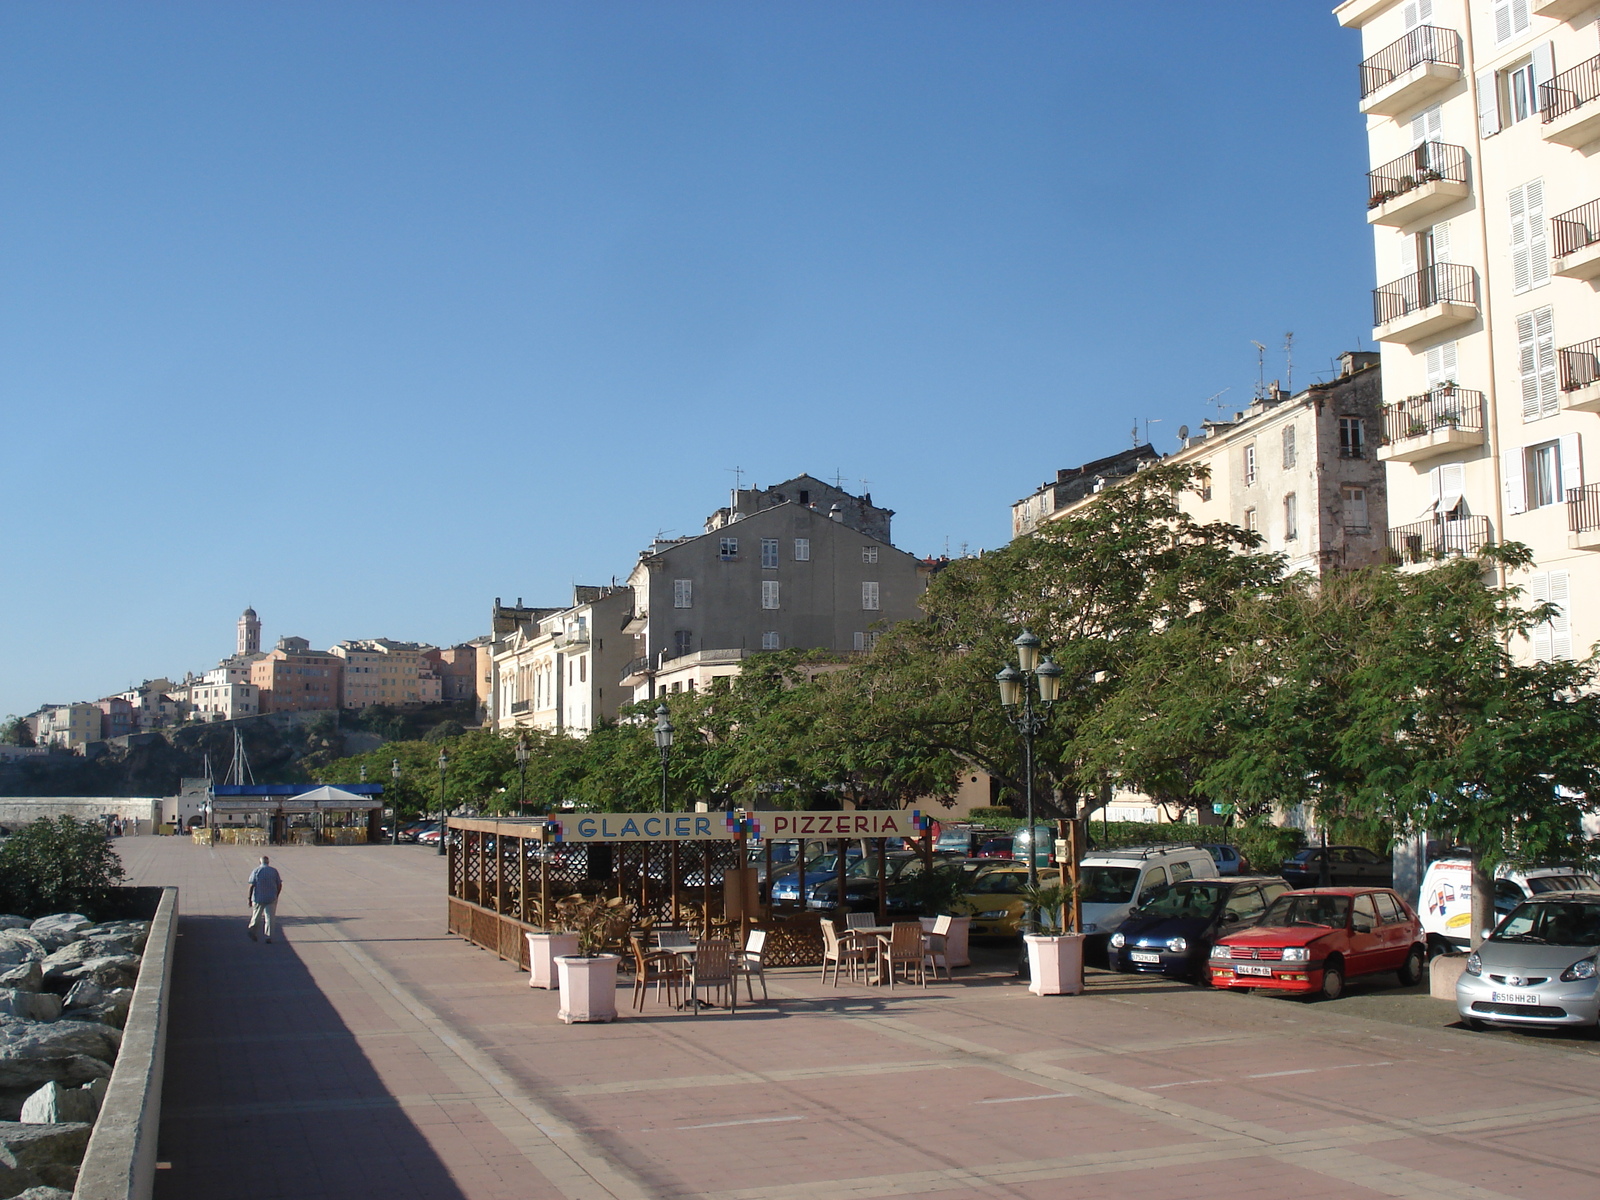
(117, 717)
(154, 704)
(1301, 470)
(70, 725)
(381, 671)
(292, 677)
(456, 667)
(559, 672)
(1483, 119)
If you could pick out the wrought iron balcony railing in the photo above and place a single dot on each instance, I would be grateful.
(1583, 508)
(1425, 541)
(1569, 90)
(1424, 44)
(1580, 365)
(1432, 285)
(1445, 407)
(1575, 229)
(1430, 161)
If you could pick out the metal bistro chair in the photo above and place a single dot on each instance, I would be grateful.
(673, 937)
(712, 971)
(938, 940)
(660, 967)
(905, 947)
(748, 963)
(862, 920)
(839, 951)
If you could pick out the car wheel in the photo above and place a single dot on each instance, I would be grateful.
(1411, 971)
(1332, 981)
(1437, 947)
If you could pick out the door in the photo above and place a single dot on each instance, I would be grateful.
(1366, 950)
(1244, 907)
(1396, 930)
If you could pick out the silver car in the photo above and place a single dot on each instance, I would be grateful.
(1538, 967)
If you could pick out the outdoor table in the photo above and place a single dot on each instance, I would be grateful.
(862, 933)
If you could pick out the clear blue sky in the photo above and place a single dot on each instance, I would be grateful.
(365, 314)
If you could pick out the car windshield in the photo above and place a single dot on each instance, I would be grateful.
(1557, 922)
(998, 883)
(1563, 883)
(1109, 885)
(826, 864)
(1184, 900)
(1307, 910)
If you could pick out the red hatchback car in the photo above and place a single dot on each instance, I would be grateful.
(1314, 939)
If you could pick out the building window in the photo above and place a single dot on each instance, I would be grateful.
(1530, 252)
(1352, 438)
(869, 554)
(1355, 507)
(730, 549)
(1250, 465)
(1250, 519)
(1536, 364)
(802, 549)
(1522, 92)
(1541, 473)
(869, 596)
(1511, 17)
(769, 593)
(769, 552)
(858, 641)
(1291, 518)
(1288, 447)
(1552, 639)
(583, 669)
(681, 639)
(769, 640)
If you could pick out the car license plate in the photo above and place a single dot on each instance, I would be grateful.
(1514, 997)
(1140, 956)
(1250, 969)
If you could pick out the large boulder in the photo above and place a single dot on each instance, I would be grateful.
(29, 977)
(84, 994)
(9, 922)
(53, 1104)
(35, 1146)
(60, 928)
(14, 1177)
(18, 946)
(70, 1069)
(113, 970)
(134, 933)
(30, 1006)
(44, 1192)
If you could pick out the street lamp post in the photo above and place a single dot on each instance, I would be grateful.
(522, 775)
(444, 765)
(394, 774)
(1017, 699)
(664, 745)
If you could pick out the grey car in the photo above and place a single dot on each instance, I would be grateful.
(1537, 967)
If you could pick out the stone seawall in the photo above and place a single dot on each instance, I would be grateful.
(22, 810)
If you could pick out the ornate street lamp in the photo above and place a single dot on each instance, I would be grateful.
(394, 774)
(444, 765)
(522, 774)
(1017, 686)
(664, 745)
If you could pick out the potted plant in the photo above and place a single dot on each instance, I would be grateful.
(544, 947)
(1055, 957)
(589, 978)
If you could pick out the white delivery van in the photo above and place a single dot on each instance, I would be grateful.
(1113, 881)
(1445, 903)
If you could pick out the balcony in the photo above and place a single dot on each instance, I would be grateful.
(1575, 242)
(1580, 376)
(520, 706)
(1583, 517)
(1569, 105)
(1560, 10)
(636, 672)
(1432, 541)
(1446, 420)
(1403, 74)
(1420, 305)
(1431, 177)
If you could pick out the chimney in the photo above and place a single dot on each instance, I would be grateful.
(836, 513)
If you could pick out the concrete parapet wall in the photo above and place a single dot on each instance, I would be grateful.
(21, 810)
(120, 1163)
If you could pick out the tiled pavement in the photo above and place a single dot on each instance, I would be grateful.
(369, 1054)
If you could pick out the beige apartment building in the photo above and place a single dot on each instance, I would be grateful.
(221, 696)
(293, 677)
(381, 671)
(558, 672)
(1483, 122)
(70, 725)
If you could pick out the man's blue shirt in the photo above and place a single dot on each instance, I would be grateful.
(265, 884)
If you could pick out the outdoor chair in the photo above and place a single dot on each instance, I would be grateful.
(864, 920)
(748, 963)
(660, 967)
(937, 942)
(906, 949)
(712, 971)
(673, 937)
(838, 951)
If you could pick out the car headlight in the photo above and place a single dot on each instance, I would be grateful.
(1582, 969)
(1118, 941)
(1222, 952)
(1297, 954)
(1474, 964)
(993, 914)
(1177, 945)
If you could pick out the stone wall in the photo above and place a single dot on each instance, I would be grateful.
(22, 810)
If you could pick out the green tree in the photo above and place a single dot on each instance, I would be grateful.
(58, 864)
(15, 731)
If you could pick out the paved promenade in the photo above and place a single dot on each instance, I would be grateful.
(367, 1054)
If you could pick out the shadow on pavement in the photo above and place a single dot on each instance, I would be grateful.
(268, 1094)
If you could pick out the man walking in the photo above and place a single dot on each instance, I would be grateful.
(266, 885)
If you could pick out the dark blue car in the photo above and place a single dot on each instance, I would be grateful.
(1172, 932)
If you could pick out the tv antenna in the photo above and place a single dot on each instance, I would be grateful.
(866, 487)
(838, 479)
(1217, 400)
(738, 485)
(1261, 368)
(1288, 362)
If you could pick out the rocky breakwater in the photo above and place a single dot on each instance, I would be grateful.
(65, 987)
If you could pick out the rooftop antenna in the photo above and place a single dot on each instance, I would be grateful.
(838, 479)
(1261, 369)
(738, 484)
(1149, 421)
(947, 545)
(1288, 362)
(1217, 400)
(866, 487)
(963, 549)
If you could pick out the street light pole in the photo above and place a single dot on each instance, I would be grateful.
(522, 775)
(1016, 698)
(444, 765)
(664, 745)
(394, 774)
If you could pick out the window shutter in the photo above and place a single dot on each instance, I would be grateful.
(1408, 253)
(1441, 243)
(1412, 18)
(1427, 126)
(1544, 68)
(869, 596)
(1502, 20)
(1549, 389)
(1520, 275)
(1571, 463)
(1436, 486)
(1441, 363)
(1560, 622)
(1539, 593)
(1452, 486)
(1488, 104)
(1511, 477)
(1538, 243)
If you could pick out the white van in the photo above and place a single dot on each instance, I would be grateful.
(1445, 903)
(1113, 881)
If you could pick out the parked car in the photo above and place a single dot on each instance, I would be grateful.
(1113, 881)
(1538, 967)
(995, 898)
(861, 882)
(1172, 930)
(1348, 866)
(786, 886)
(1313, 940)
(1000, 847)
(430, 835)
(1229, 861)
(1446, 900)
(410, 830)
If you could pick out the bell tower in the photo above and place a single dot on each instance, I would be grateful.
(249, 633)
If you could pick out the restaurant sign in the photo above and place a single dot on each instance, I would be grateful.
(712, 827)
(904, 823)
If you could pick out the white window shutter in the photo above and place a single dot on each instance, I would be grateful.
(1441, 242)
(1502, 20)
(1539, 593)
(1549, 383)
(1408, 253)
(1538, 243)
(1571, 463)
(1511, 476)
(1544, 67)
(1488, 104)
(1452, 486)
(1519, 15)
(1412, 19)
(1528, 366)
(1560, 622)
(1517, 201)
(1436, 486)
(1441, 364)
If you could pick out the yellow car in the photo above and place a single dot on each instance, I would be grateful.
(995, 899)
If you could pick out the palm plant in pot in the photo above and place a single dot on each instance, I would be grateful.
(588, 978)
(1055, 957)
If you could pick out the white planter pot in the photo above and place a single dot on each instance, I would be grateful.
(588, 987)
(1055, 964)
(956, 943)
(543, 950)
